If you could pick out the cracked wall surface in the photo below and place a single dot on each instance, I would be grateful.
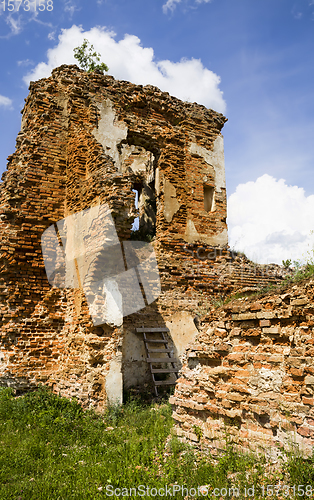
(90, 141)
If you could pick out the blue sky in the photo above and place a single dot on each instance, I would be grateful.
(250, 59)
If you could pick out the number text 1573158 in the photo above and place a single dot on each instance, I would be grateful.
(26, 5)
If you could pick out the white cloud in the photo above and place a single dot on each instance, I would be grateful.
(18, 18)
(129, 60)
(171, 4)
(5, 101)
(15, 24)
(70, 7)
(271, 221)
(25, 62)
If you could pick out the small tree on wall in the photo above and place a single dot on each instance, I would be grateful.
(88, 58)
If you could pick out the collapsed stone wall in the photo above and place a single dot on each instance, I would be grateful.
(88, 140)
(250, 374)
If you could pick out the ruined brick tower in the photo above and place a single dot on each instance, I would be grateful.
(88, 140)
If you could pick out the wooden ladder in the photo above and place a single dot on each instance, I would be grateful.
(153, 360)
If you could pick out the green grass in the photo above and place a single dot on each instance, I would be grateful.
(51, 449)
(301, 273)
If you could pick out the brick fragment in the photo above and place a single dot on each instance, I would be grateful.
(307, 401)
(300, 302)
(266, 314)
(309, 380)
(272, 330)
(264, 322)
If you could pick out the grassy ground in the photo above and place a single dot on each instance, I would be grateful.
(51, 449)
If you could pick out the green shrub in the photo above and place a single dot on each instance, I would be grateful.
(88, 58)
(286, 263)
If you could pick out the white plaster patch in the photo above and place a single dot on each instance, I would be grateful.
(191, 235)
(219, 239)
(114, 381)
(157, 181)
(215, 158)
(135, 367)
(182, 330)
(4, 362)
(74, 230)
(171, 204)
(113, 304)
(110, 132)
(105, 305)
(267, 380)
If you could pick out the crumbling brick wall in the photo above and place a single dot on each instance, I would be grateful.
(87, 140)
(249, 374)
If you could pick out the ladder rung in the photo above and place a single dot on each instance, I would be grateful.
(158, 350)
(161, 360)
(158, 361)
(163, 382)
(159, 340)
(164, 370)
(148, 330)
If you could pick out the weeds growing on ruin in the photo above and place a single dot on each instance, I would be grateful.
(301, 273)
(303, 269)
(51, 449)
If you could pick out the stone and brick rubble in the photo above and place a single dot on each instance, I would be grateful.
(250, 375)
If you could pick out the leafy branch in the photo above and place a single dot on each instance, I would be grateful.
(88, 58)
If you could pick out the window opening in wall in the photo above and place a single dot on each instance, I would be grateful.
(144, 226)
(208, 198)
(136, 223)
